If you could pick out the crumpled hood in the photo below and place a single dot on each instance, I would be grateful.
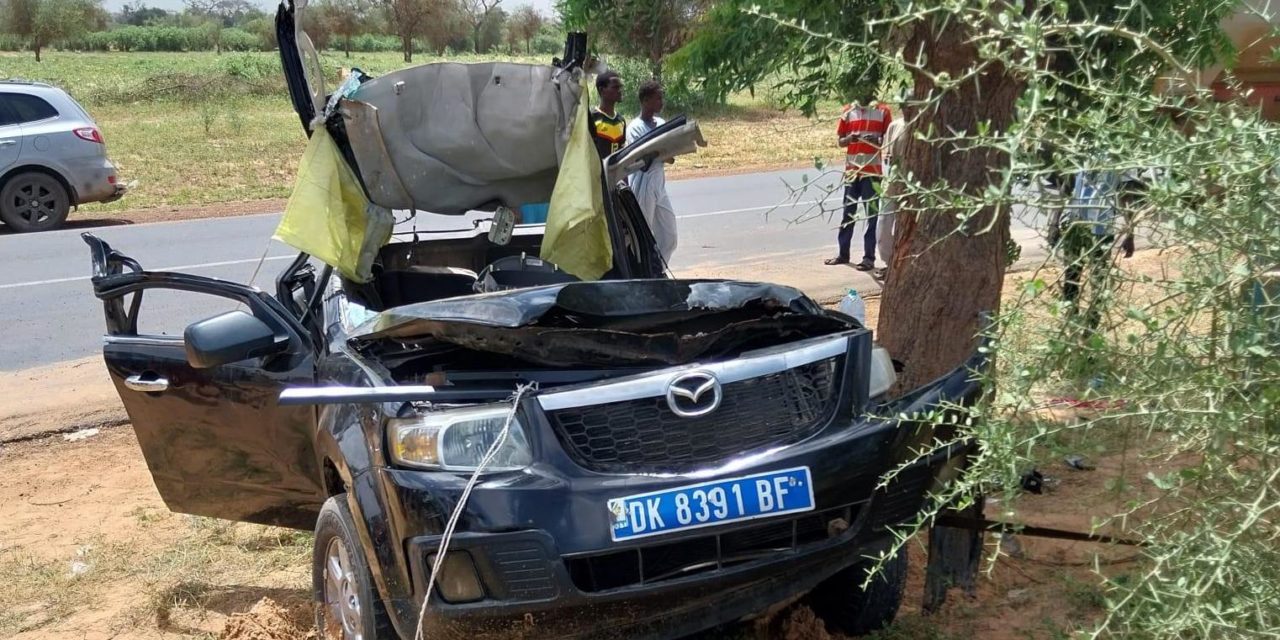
(612, 322)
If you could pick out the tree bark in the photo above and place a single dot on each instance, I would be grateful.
(36, 46)
(946, 272)
(954, 557)
(407, 44)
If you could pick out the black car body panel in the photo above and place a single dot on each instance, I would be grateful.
(538, 539)
(205, 434)
(534, 536)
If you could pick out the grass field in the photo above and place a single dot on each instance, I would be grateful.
(198, 128)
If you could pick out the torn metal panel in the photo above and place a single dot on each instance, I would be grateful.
(376, 169)
(598, 302)
(610, 323)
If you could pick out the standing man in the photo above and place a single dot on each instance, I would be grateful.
(861, 131)
(893, 143)
(650, 185)
(1085, 234)
(608, 128)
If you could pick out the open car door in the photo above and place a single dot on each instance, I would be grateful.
(676, 137)
(635, 251)
(204, 405)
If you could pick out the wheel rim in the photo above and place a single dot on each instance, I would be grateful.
(34, 202)
(341, 597)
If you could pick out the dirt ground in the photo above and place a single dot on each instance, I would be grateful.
(88, 549)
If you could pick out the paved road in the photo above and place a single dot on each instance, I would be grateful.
(51, 315)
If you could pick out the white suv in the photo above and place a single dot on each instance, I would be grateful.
(52, 157)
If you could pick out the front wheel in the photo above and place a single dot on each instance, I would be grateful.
(347, 604)
(845, 607)
(34, 201)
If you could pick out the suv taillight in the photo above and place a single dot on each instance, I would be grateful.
(89, 133)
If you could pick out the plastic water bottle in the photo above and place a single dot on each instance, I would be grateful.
(852, 305)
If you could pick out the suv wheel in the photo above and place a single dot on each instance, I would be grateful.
(34, 201)
(846, 608)
(347, 604)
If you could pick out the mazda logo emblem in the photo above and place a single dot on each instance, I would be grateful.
(694, 394)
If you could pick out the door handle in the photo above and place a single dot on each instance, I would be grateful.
(8, 143)
(137, 383)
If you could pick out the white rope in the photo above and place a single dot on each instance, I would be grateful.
(447, 536)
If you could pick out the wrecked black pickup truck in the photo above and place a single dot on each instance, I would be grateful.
(680, 453)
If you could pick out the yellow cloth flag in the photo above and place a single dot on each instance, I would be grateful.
(577, 234)
(328, 215)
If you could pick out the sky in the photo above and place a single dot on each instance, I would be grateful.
(547, 7)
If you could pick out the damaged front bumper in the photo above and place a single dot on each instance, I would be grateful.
(536, 549)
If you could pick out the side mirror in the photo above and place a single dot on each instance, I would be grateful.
(229, 337)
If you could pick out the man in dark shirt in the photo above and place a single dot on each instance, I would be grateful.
(608, 128)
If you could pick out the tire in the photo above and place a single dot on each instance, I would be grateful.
(355, 612)
(845, 608)
(34, 201)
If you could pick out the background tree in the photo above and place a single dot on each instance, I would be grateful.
(494, 30)
(736, 50)
(265, 29)
(219, 14)
(140, 14)
(44, 22)
(477, 13)
(525, 24)
(646, 29)
(512, 37)
(409, 19)
(344, 19)
(447, 28)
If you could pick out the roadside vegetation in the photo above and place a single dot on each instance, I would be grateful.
(1176, 370)
(198, 128)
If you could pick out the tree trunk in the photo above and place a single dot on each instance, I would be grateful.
(407, 43)
(946, 272)
(36, 46)
(347, 45)
(475, 38)
(528, 47)
(954, 556)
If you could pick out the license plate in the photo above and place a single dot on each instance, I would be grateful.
(763, 495)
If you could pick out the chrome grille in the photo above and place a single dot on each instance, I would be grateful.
(644, 435)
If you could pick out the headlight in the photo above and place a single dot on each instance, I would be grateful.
(882, 373)
(458, 439)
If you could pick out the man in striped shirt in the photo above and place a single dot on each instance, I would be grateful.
(861, 131)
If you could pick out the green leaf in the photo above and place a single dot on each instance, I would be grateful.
(1164, 483)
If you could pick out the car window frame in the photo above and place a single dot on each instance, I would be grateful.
(6, 114)
(13, 113)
